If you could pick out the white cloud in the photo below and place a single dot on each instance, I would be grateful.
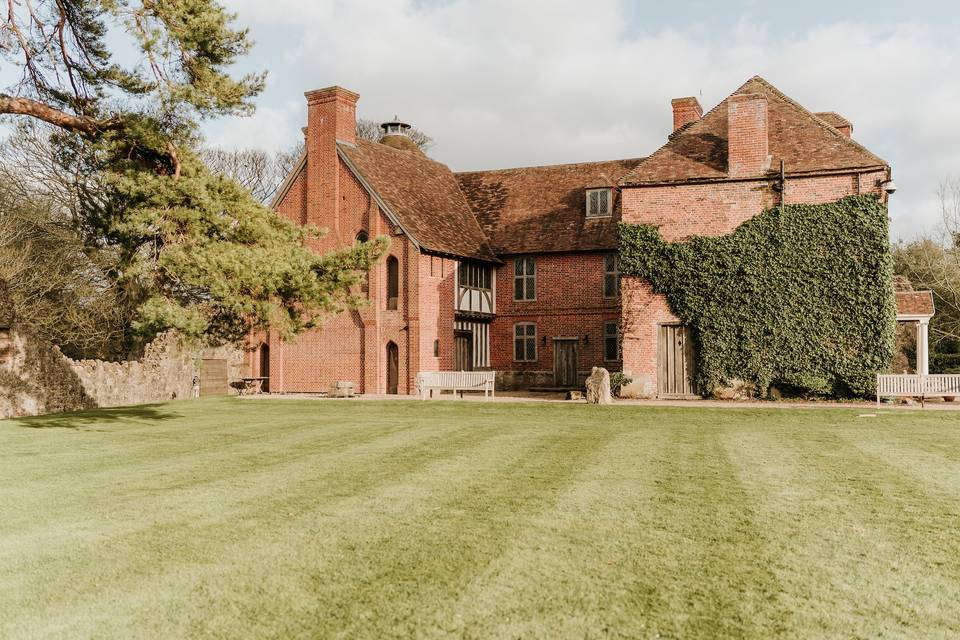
(505, 83)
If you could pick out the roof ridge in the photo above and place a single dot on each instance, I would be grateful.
(406, 154)
(551, 166)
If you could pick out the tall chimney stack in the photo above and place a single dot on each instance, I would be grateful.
(748, 144)
(685, 111)
(331, 117)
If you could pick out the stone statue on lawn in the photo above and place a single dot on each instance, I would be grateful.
(598, 387)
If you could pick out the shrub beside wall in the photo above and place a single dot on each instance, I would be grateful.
(798, 298)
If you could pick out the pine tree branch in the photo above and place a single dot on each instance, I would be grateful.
(39, 110)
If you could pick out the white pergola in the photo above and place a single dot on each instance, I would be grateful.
(923, 340)
(917, 306)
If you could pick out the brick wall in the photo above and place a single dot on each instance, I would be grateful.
(569, 303)
(353, 345)
(709, 209)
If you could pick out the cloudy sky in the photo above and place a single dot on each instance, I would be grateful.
(502, 83)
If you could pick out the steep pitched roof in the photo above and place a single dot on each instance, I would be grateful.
(423, 195)
(541, 209)
(914, 303)
(804, 141)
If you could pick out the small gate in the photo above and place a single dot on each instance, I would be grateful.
(213, 377)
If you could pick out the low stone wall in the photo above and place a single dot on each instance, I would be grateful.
(35, 378)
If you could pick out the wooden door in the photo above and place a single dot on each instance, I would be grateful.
(675, 361)
(463, 350)
(213, 377)
(565, 363)
(393, 368)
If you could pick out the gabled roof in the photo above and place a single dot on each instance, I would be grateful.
(914, 303)
(805, 142)
(422, 195)
(541, 209)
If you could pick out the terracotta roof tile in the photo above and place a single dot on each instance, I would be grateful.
(915, 303)
(424, 195)
(833, 118)
(804, 141)
(542, 209)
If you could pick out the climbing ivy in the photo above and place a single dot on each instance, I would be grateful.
(799, 299)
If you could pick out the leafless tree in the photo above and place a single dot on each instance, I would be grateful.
(261, 172)
(933, 263)
(58, 285)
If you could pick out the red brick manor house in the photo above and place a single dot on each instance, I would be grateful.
(515, 270)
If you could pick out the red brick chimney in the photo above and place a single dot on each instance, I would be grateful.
(331, 117)
(748, 146)
(685, 111)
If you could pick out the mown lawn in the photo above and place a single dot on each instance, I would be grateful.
(352, 519)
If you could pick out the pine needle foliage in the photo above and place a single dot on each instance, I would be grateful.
(799, 298)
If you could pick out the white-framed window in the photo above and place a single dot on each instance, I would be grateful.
(525, 278)
(599, 203)
(611, 341)
(525, 342)
(611, 276)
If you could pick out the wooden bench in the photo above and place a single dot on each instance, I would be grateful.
(439, 381)
(913, 385)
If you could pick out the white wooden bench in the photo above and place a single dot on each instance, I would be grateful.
(912, 385)
(430, 381)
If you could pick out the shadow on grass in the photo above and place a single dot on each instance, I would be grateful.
(93, 417)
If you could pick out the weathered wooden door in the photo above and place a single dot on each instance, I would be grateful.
(463, 350)
(213, 377)
(675, 361)
(565, 363)
(393, 368)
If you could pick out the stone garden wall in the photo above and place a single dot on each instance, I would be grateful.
(36, 378)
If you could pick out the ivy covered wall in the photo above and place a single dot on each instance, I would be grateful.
(799, 298)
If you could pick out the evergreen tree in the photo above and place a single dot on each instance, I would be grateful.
(194, 251)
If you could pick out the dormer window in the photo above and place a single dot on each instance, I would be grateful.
(599, 203)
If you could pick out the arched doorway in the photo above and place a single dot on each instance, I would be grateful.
(393, 368)
(265, 367)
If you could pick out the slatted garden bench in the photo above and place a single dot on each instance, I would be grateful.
(430, 381)
(912, 385)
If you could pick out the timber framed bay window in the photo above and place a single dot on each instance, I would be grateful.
(611, 276)
(525, 342)
(611, 341)
(525, 278)
(474, 276)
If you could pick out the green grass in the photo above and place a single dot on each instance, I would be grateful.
(351, 519)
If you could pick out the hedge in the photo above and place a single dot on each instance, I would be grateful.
(798, 298)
